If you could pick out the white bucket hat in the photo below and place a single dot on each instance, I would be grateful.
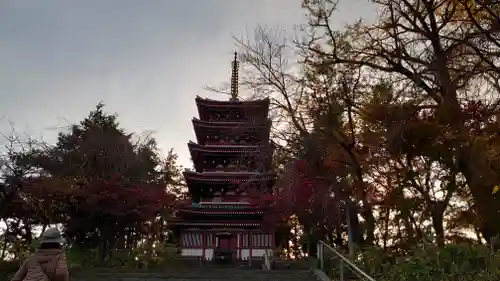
(52, 235)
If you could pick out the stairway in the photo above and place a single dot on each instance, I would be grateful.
(202, 273)
(187, 261)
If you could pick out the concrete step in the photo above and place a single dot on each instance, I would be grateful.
(194, 262)
(198, 274)
(280, 263)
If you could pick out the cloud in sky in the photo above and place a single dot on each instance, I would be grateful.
(146, 60)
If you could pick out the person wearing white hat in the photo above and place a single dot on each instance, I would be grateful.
(48, 263)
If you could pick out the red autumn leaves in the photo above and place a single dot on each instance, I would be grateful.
(295, 190)
(53, 199)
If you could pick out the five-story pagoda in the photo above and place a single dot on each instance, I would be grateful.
(232, 177)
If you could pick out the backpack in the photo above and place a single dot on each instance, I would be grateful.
(49, 276)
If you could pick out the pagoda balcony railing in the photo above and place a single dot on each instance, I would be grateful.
(230, 170)
(229, 142)
(228, 119)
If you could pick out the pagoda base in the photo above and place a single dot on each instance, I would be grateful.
(255, 263)
(225, 244)
(211, 254)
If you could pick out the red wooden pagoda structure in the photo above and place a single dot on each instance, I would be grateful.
(231, 183)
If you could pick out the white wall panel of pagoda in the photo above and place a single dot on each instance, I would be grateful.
(259, 240)
(192, 240)
(188, 252)
(198, 253)
(255, 253)
(209, 254)
(247, 245)
(197, 244)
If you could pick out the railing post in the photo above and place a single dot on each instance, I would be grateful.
(341, 269)
(320, 256)
(343, 264)
(350, 242)
(267, 259)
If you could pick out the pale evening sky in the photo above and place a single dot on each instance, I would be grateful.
(145, 59)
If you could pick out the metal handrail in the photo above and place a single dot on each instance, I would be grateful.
(356, 270)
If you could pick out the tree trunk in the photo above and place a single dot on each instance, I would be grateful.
(481, 187)
(355, 225)
(28, 234)
(369, 223)
(472, 164)
(5, 241)
(108, 237)
(367, 212)
(437, 224)
(103, 250)
(44, 227)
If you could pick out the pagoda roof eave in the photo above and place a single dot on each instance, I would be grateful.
(223, 148)
(218, 212)
(224, 124)
(222, 206)
(224, 224)
(200, 101)
(226, 175)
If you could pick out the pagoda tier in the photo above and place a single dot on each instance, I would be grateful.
(204, 215)
(232, 110)
(208, 226)
(221, 211)
(221, 224)
(228, 133)
(231, 158)
(207, 184)
(228, 176)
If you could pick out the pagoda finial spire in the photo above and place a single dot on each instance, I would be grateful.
(234, 78)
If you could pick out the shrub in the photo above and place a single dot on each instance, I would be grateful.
(431, 263)
(7, 269)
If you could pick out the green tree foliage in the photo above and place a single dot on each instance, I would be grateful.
(107, 188)
(397, 118)
(435, 63)
(428, 262)
(392, 123)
